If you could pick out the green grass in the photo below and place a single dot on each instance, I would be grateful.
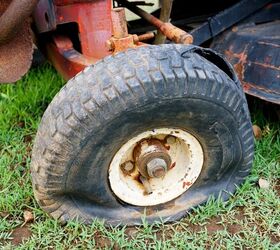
(250, 219)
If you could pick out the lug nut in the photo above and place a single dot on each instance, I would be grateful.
(128, 166)
(157, 168)
(170, 139)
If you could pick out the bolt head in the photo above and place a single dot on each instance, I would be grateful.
(128, 166)
(157, 168)
(158, 173)
(170, 139)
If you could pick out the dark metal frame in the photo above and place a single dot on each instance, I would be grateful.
(225, 19)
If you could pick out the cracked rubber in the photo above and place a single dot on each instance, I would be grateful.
(124, 95)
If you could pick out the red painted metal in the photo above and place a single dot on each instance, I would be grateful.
(93, 18)
(65, 58)
(67, 2)
(94, 22)
(102, 31)
(119, 23)
(121, 40)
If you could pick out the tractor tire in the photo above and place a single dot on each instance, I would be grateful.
(145, 93)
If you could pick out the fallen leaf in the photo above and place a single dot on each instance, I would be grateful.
(257, 132)
(27, 138)
(21, 124)
(28, 216)
(264, 184)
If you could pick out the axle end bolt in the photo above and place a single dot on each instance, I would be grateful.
(157, 168)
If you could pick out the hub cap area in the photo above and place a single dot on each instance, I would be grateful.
(155, 166)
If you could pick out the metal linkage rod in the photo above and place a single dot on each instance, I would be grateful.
(170, 31)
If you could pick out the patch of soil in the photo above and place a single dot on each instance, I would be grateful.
(131, 232)
(19, 234)
(101, 241)
(213, 225)
(234, 228)
(240, 214)
(274, 238)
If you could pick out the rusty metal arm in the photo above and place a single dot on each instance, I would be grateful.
(170, 31)
(13, 18)
(164, 17)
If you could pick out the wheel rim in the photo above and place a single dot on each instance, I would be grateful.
(180, 150)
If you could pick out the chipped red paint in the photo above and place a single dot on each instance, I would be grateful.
(120, 39)
(94, 22)
(119, 23)
(186, 184)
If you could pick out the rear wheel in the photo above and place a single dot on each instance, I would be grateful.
(155, 130)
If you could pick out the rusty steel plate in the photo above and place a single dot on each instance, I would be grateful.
(16, 55)
(254, 52)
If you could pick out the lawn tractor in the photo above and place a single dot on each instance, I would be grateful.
(153, 119)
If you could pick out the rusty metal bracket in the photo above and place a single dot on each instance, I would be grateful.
(121, 40)
(253, 50)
